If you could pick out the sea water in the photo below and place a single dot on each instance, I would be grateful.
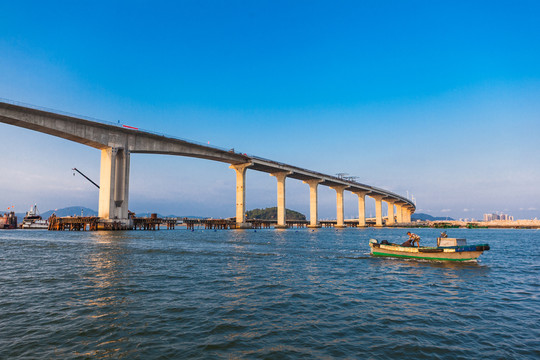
(269, 294)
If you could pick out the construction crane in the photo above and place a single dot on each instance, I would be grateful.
(86, 177)
(131, 214)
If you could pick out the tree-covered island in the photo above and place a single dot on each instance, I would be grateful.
(271, 214)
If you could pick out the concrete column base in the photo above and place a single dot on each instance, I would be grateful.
(313, 205)
(243, 225)
(378, 210)
(340, 226)
(281, 210)
(240, 193)
(114, 184)
(281, 226)
(390, 220)
(361, 207)
(314, 226)
(340, 221)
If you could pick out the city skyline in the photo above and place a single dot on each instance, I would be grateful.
(442, 105)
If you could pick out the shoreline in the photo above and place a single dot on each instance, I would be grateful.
(497, 224)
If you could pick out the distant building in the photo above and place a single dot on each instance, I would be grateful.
(495, 216)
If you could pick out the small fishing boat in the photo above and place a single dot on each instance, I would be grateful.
(447, 249)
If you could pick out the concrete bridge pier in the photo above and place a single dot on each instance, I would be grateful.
(390, 203)
(361, 207)
(313, 203)
(281, 209)
(378, 209)
(114, 185)
(241, 195)
(408, 213)
(399, 212)
(340, 224)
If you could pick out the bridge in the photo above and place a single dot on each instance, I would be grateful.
(116, 142)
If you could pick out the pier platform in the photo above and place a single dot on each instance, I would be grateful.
(94, 223)
(220, 224)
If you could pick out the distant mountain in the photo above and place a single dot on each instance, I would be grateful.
(271, 214)
(70, 211)
(424, 217)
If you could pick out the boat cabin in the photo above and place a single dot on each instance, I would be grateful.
(443, 242)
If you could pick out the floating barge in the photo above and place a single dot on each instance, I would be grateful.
(447, 249)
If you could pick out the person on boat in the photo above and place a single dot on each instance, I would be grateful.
(444, 235)
(413, 238)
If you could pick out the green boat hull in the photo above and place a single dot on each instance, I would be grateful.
(423, 257)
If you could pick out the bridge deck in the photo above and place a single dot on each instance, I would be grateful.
(103, 135)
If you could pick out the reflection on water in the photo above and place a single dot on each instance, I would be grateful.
(105, 298)
(264, 294)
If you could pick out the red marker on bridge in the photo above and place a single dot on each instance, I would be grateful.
(130, 127)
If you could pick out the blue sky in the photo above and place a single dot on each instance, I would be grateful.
(438, 99)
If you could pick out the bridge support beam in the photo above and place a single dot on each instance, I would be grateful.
(313, 203)
(408, 213)
(361, 207)
(399, 212)
(114, 185)
(405, 214)
(281, 209)
(340, 224)
(378, 209)
(241, 194)
(390, 220)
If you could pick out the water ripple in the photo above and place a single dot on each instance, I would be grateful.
(265, 294)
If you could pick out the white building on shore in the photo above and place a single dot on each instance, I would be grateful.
(495, 216)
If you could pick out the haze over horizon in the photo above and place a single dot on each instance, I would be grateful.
(438, 100)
